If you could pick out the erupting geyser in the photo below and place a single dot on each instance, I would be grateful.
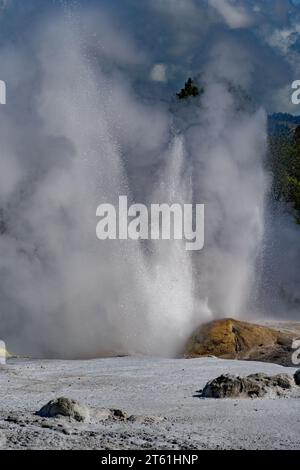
(89, 139)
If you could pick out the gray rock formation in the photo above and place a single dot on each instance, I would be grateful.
(64, 407)
(253, 386)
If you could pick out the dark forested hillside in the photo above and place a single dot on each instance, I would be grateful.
(284, 159)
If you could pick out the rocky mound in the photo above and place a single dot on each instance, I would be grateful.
(64, 407)
(233, 339)
(253, 386)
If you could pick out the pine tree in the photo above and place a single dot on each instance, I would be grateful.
(190, 89)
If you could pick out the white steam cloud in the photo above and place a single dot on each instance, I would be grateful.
(87, 124)
(234, 15)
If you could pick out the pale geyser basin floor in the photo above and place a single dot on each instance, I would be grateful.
(143, 386)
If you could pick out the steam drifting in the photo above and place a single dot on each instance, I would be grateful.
(88, 121)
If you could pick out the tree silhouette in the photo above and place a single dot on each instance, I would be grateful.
(190, 89)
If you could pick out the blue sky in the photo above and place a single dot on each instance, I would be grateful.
(180, 33)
